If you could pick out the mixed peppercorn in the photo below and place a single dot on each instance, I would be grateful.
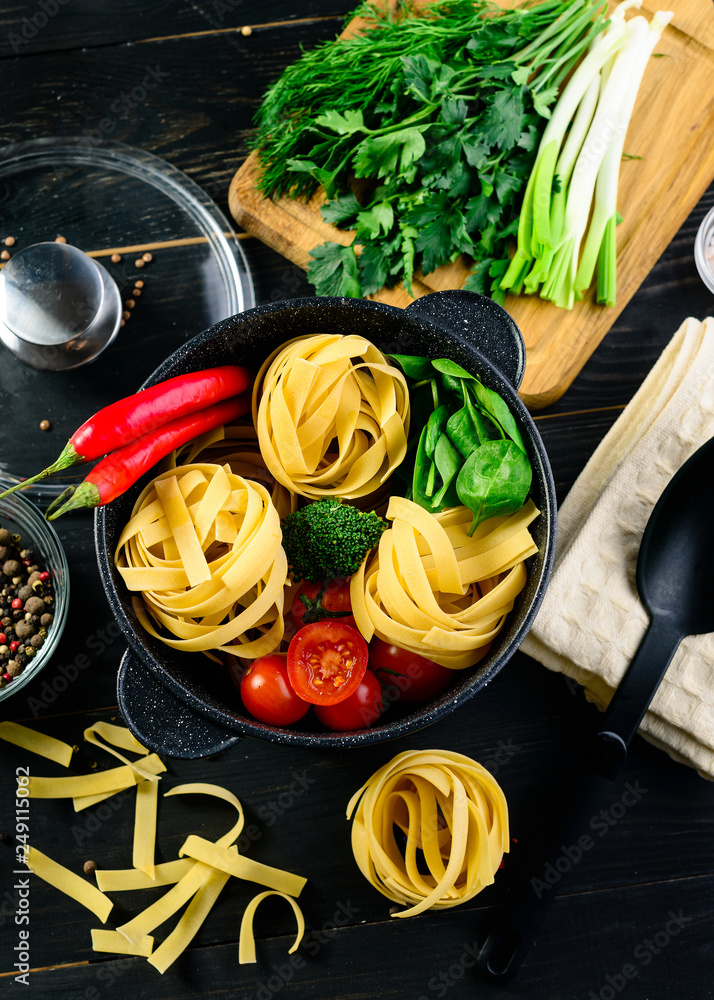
(26, 605)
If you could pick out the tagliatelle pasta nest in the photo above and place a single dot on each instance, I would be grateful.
(235, 445)
(432, 588)
(332, 416)
(454, 818)
(203, 548)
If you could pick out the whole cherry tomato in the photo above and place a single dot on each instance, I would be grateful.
(316, 602)
(406, 676)
(362, 709)
(326, 661)
(267, 693)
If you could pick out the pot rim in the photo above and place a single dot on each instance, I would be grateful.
(422, 715)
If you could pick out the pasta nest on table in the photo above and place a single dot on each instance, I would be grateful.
(332, 416)
(454, 819)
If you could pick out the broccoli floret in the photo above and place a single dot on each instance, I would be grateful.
(328, 539)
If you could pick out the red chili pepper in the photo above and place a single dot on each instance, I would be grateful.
(124, 421)
(119, 470)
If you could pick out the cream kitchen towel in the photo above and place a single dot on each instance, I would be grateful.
(591, 620)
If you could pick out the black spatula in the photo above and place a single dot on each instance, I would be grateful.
(675, 582)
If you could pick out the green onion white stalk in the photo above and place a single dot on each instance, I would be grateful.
(578, 158)
(599, 246)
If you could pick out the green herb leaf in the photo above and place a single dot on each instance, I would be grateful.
(448, 462)
(503, 122)
(380, 155)
(468, 427)
(478, 280)
(494, 480)
(448, 367)
(419, 75)
(333, 270)
(376, 220)
(413, 366)
(454, 110)
(341, 212)
(497, 408)
(327, 178)
(435, 426)
(409, 234)
(440, 223)
(344, 124)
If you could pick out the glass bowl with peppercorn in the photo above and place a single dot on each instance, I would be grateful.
(34, 593)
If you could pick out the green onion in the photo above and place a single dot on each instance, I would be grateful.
(577, 169)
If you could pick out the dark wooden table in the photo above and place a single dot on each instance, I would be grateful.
(633, 916)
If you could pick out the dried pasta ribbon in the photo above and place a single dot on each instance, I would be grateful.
(144, 845)
(219, 792)
(30, 739)
(236, 445)
(431, 588)
(164, 907)
(113, 941)
(69, 883)
(190, 923)
(454, 816)
(171, 872)
(114, 780)
(151, 764)
(147, 789)
(332, 416)
(246, 944)
(128, 879)
(118, 736)
(203, 549)
(192, 881)
(241, 867)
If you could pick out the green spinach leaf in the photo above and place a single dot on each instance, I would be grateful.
(435, 427)
(497, 408)
(448, 462)
(413, 366)
(494, 480)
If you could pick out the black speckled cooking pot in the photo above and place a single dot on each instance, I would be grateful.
(182, 705)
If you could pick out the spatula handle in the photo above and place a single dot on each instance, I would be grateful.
(560, 846)
(643, 676)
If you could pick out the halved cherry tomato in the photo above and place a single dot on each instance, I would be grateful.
(326, 662)
(267, 693)
(406, 676)
(317, 602)
(362, 709)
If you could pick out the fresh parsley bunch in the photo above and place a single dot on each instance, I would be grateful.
(422, 131)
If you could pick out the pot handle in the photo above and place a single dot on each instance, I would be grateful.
(161, 721)
(480, 321)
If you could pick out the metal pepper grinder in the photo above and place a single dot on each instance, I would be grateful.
(59, 308)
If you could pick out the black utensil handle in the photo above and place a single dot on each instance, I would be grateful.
(480, 321)
(161, 721)
(643, 676)
(561, 844)
(589, 785)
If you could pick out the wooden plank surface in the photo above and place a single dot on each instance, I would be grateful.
(658, 858)
(671, 137)
(57, 25)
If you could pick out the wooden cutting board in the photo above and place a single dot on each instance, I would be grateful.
(672, 137)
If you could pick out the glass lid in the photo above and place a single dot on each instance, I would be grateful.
(172, 253)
